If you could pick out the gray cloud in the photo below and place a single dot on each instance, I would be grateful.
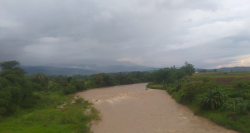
(158, 33)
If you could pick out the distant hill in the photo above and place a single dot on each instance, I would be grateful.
(122, 68)
(49, 70)
(228, 69)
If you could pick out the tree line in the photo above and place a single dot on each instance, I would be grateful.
(19, 91)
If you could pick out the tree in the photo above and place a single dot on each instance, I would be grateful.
(14, 88)
(9, 64)
(188, 68)
(13, 65)
(40, 79)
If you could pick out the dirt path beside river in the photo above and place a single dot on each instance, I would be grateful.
(133, 109)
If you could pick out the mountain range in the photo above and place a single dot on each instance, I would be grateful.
(84, 69)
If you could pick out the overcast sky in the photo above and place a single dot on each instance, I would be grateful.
(157, 33)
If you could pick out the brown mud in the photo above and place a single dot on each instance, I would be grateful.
(133, 109)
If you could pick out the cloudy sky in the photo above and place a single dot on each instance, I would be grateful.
(157, 33)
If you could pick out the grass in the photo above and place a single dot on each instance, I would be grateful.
(47, 118)
(155, 86)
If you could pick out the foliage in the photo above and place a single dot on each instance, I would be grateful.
(189, 90)
(47, 118)
(213, 98)
(241, 84)
(14, 88)
(79, 100)
(40, 79)
(62, 81)
(177, 96)
(68, 90)
(228, 107)
(79, 85)
(12, 65)
(188, 69)
(207, 79)
(235, 105)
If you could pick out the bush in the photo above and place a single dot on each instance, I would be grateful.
(206, 79)
(14, 89)
(241, 84)
(240, 93)
(79, 85)
(40, 79)
(37, 87)
(79, 100)
(171, 90)
(235, 105)
(178, 96)
(189, 90)
(68, 90)
(213, 99)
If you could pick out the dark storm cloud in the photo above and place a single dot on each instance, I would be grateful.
(158, 33)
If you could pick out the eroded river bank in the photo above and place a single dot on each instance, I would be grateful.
(133, 109)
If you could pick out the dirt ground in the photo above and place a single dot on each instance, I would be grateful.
(133, 109)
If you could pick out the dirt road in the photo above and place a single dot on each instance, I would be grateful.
(133, 109)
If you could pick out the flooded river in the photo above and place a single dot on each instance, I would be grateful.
(133, 109)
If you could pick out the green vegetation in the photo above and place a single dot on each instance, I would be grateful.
(31, 103)
(46, 117)
(41, 103)
(221, 97)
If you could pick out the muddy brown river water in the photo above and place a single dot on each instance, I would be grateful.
(133, 109)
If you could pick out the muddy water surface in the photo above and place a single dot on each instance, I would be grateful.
(133, 109)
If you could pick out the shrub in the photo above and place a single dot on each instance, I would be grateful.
(79, 85)
(68, 90)
(171, 90)
(178, 96)
(213, 98)
(40, 79)
(206, 79)
(241, 84)
(14, 88)
(189, 90)
(240, 93)
(79, 100)
(235, 105)
(37, 87)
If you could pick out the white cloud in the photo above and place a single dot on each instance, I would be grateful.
(242, 60)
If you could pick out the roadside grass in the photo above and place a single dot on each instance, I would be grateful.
(48, 118)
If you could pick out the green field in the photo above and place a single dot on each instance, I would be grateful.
(221, 74)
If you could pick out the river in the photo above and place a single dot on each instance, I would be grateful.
(133, 109)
